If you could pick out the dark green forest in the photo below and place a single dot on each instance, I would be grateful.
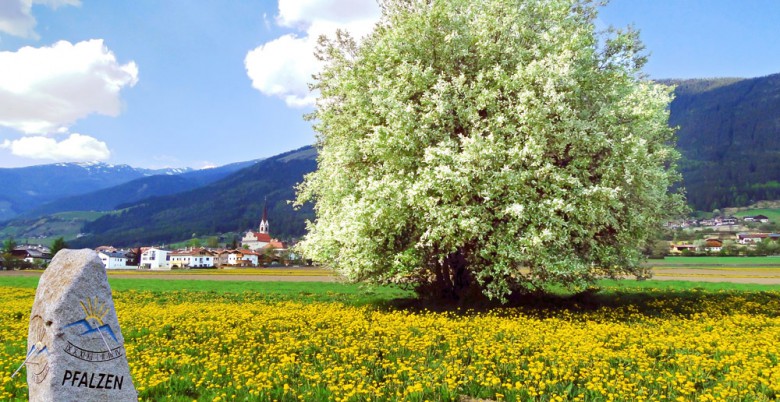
(729, 137)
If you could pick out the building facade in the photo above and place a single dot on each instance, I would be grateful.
(258, 240)
(155, 258)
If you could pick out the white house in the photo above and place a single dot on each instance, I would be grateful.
(677, 249)
(192, 258)
(243, 258)
(751, 238)
(761, 218)
(113, 260)
(155, 258)
(757, 218)
(713, 245)
(34, 254)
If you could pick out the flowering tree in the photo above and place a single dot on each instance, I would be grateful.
(491, 145)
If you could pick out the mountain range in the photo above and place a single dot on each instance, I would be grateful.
(24, 189)
(232, 204)
(111, 198)
(729, 137)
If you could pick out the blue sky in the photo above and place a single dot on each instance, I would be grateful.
(175, 83)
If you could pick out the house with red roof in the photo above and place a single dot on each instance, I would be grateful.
(241, 258)
(751, 238)
(713, 245)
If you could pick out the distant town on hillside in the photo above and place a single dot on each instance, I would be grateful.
(257, 248)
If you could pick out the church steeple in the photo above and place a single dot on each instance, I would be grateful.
(264, 220)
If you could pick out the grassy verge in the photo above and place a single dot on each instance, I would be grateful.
(319, 288)
(683, 286)
(715, 262)
(606, 293)
(164, 289)
(162, 285)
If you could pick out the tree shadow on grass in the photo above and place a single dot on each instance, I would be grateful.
(648, 302)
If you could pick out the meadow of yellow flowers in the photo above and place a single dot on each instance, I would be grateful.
(210, 346)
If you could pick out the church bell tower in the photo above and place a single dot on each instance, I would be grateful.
(264, 220)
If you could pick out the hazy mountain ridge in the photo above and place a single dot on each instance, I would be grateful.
(26, 188)
(135, 190)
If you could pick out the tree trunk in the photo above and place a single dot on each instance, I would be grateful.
(451, 281)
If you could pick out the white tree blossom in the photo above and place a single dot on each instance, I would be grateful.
(495, 145)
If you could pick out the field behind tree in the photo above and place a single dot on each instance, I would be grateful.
(716, 262)
(768, 208)
(632, 340)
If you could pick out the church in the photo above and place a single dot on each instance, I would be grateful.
(259, 240)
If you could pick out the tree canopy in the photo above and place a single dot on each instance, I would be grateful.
(57, 245)
(491, 145)
(9, 245)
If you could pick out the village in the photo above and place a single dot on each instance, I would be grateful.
(256, 249)
(725, 236)
(728, 235)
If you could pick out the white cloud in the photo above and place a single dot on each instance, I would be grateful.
(266, 22)
(16, 15)
(76, 148)
(45, 89)
(284, 66)
(294, 13)
(57, 3)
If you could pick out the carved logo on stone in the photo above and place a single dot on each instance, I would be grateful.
(90, 329)
(38, 355)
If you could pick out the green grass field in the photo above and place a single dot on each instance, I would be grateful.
(360, 294)
(302, 291)
(715, 262)
(772, 213)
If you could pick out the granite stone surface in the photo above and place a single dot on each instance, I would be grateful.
(75, 346)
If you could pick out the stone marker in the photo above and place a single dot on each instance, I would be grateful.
(75, 349)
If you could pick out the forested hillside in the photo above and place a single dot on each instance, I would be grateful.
(232, 204)
(730, 140)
